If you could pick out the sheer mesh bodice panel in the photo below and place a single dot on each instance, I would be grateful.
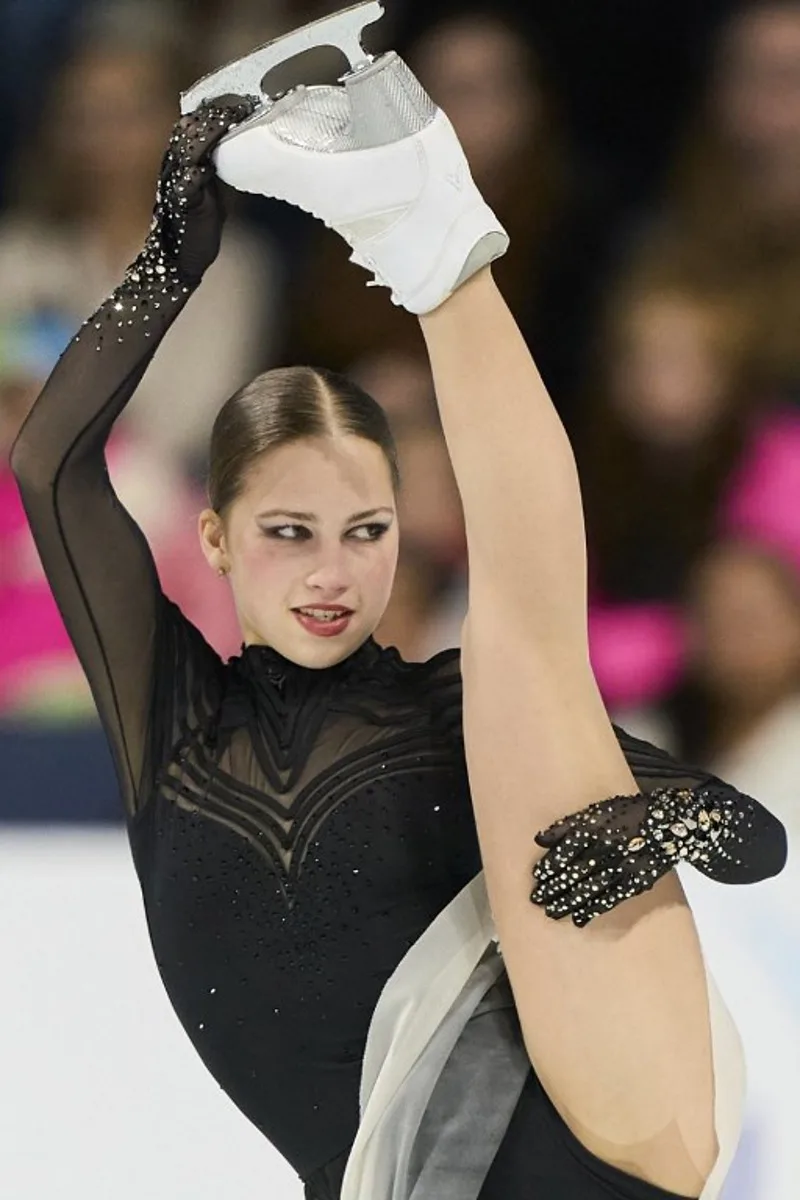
(273, 748)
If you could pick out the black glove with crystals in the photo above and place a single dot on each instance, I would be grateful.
(620, 847)
(185, 231)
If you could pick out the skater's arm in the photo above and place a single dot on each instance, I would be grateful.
(97, 561)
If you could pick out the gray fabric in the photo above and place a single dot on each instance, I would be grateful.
(472, 1103)
(411, 1113)
(469, 1107)
(419, 1018)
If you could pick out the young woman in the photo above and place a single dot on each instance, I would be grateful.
(300, 817)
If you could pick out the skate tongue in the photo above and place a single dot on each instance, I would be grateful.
(387, 103)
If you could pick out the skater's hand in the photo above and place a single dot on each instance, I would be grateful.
(189, 215)
(621, 847)
(184, 237)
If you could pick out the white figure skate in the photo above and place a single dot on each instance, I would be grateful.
(372, 157)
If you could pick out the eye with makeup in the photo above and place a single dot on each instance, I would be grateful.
(372, 532)
(287, 533)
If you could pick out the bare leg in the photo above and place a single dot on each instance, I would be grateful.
(615, 1016)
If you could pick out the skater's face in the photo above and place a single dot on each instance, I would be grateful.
(312, 534)
(478, 70)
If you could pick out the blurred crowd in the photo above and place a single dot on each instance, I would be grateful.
(647, 167)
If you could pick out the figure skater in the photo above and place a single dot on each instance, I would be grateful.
(301, 818)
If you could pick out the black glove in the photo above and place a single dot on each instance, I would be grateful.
(620, 847)
(189, 214)
(184, 237)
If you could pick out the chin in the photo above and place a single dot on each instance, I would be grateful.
(318, 652)
(329, 656)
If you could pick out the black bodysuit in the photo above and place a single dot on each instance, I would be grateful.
(294, 831)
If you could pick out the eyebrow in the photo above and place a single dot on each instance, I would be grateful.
(311, 517)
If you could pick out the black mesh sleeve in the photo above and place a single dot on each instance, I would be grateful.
(96, 559)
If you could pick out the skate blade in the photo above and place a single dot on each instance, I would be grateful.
(244, 76)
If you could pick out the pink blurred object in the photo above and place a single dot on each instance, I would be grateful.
(39, 671)
(637, 650)
(33, 632)
(763, 501)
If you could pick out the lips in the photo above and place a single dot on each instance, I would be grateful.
(324, 620)
(338, 609)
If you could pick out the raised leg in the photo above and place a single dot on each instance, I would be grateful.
(615, 1016)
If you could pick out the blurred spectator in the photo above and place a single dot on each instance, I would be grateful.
(34, 36)
(481, 69)
(83, 198)
(402, 385)
(431, 520)
(738, 710)
(419, 588)
(732, 219)
(429, 505)
(428, 603)
(432, 540)
(40, 678)
(231, 28)
(627, 71)
(681, 437)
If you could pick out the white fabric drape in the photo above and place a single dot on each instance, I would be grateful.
(418, 1020)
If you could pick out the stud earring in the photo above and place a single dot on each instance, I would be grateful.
(222, 571)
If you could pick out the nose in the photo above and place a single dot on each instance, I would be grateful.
(328, 576)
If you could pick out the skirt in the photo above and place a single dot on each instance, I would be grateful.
(441, 1089)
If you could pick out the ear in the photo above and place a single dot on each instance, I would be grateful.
(212, 540)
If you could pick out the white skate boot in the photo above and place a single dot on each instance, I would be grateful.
(373, 158)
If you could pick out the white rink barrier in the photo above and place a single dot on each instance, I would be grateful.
(103, 1095)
